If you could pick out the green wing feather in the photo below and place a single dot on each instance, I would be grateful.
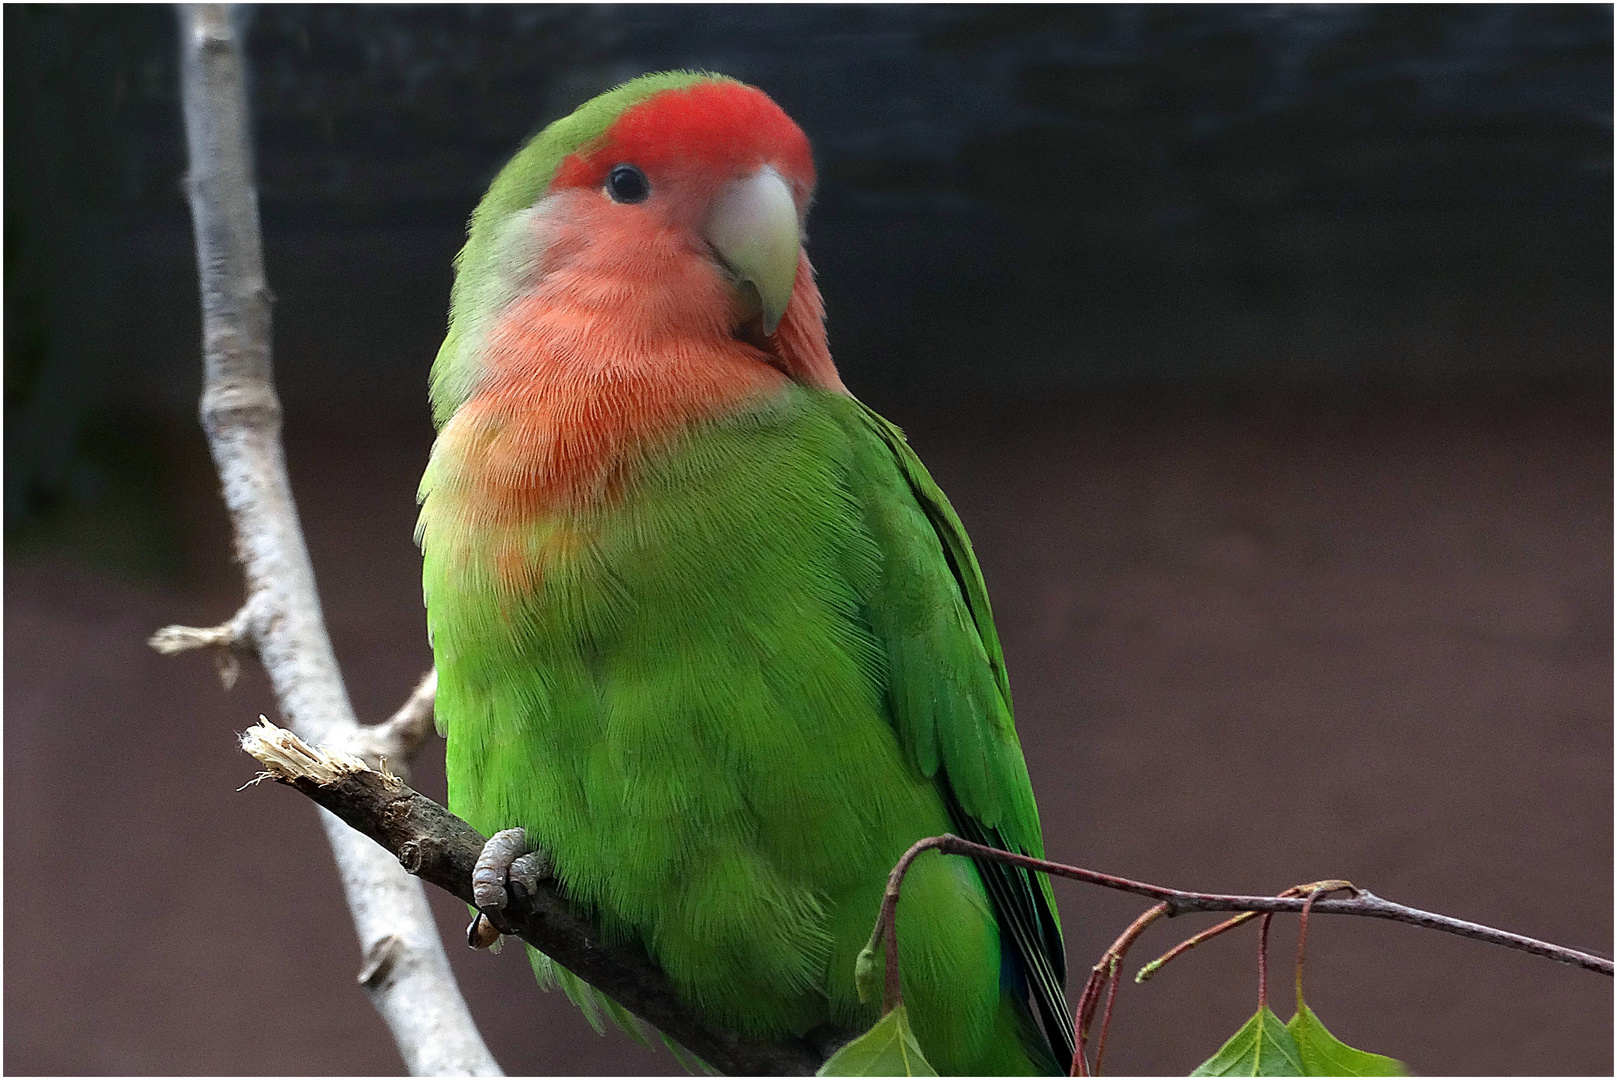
(950, 700)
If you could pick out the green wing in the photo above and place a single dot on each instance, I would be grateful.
(950, 698)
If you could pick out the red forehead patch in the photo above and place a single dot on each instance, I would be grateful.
(724, 127)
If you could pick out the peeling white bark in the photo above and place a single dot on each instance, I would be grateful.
(405, 970)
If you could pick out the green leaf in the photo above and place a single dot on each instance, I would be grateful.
(888, 1049)
(1263, 1047)
(1323, 1054)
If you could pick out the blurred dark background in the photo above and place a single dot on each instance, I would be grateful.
(1266, 352)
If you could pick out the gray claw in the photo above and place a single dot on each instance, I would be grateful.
(481, 934)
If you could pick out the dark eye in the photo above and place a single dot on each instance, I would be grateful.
(627, 184)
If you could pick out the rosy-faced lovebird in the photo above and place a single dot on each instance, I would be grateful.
(704, 626)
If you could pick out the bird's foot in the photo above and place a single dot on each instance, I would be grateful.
(505, 866)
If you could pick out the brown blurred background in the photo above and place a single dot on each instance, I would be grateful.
(1266, 353)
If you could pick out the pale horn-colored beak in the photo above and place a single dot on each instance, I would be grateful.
(753, 226)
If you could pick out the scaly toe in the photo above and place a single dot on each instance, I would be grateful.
(493, 867)
(527, 872)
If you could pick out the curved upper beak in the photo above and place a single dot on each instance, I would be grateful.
(753, 226)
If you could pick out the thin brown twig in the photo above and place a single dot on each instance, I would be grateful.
(1107, 967)
(1302, 937)
(1263, 960)
(1366, 904)
(1194, 940)
(885, 933)
(892, 994)
(1106, 1017)
(1319, 887)
(1174, 902)
(1322, 888)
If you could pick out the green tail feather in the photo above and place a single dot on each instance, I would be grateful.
(687, 1060)
(590, 1001)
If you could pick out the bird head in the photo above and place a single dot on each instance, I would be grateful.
(716, 159)
(700, 162)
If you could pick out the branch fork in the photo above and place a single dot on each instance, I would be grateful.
(397, 739)
(228, 640)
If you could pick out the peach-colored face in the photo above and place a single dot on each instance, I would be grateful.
(628, 326)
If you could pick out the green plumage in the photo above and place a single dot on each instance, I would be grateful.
(727, 722)
(740, 691)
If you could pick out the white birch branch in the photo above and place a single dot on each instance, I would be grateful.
(405, 970)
